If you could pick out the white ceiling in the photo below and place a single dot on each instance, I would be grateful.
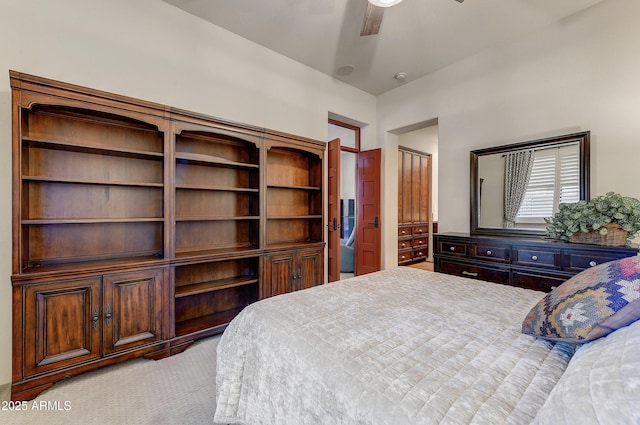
(417, 37)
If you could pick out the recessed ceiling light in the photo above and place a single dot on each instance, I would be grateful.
(345, 70)
(400, 76)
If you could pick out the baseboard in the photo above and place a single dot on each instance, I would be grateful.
(5, 392)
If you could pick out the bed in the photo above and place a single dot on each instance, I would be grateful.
(407, 346)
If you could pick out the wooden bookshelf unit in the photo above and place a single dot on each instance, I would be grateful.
(139, 228)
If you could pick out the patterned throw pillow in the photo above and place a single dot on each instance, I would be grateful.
(590, 305)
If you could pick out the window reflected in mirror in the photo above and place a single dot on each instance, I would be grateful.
(515, 187)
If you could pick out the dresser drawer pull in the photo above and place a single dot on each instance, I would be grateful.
(534, 258)
(403, 244)
(469, 273)
(419, 242)
(593, 263)
(403, 257)
(489, 252)
(452, 248)
(404, 232)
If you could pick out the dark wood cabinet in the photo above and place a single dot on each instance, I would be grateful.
(414, 174)
(72, 322)
(139, 228)
(132, 310)
(291, 271)
(62, 324)
(525, 262)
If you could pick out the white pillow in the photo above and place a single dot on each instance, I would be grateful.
(601, 384)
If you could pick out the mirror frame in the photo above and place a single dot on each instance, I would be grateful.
(582, 138)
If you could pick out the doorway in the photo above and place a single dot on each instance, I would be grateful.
(354, 204)
(349, 146)
(421, 138)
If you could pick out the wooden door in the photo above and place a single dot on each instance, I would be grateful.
(416, 161)
(368, 233)
(132, 310)
(424, 209)
(333, 212)
(61, 324)
(310, 265)
(279, 271)
(405, 191)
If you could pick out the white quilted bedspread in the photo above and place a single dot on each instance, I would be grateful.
(401, 346)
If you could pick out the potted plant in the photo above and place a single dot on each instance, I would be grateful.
(611, 219)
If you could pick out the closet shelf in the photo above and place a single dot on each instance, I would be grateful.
(281, 186)
(213, 285)
(210, 321)
(91, 220)
(296, 217)
(216, 188)
(214, 160)
(89, 182)
(239, 217)
(91, 149)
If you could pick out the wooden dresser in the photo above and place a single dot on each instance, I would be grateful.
(414, 183)
(531, 263)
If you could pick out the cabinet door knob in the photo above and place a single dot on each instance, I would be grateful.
(489, 252)
(452, 248)
(108, 315)
(593, 263)
(534, 258)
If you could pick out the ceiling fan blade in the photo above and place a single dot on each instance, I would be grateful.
(372, 20)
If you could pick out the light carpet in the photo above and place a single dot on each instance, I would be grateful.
(176, 390)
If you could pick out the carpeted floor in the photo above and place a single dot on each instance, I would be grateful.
(176, 390)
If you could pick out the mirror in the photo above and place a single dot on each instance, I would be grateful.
(513, 187)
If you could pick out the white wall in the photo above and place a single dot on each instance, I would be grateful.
(150, 50)
(580, 74)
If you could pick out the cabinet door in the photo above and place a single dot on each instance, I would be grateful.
(309, 269)
(61, 324)
(279, 271)
(132, 309)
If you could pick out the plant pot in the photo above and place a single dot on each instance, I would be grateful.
(615, 236)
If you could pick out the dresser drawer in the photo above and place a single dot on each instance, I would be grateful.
(405, 256)
(420, 242)
(536, 257)
(497, 253)
(421, 229)
(404, 244)
(576, 261)
(459, 249)
(538, 281)
(420, 253)
(404, 231)
(490, 274)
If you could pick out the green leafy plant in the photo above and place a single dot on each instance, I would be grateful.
(596, 214)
